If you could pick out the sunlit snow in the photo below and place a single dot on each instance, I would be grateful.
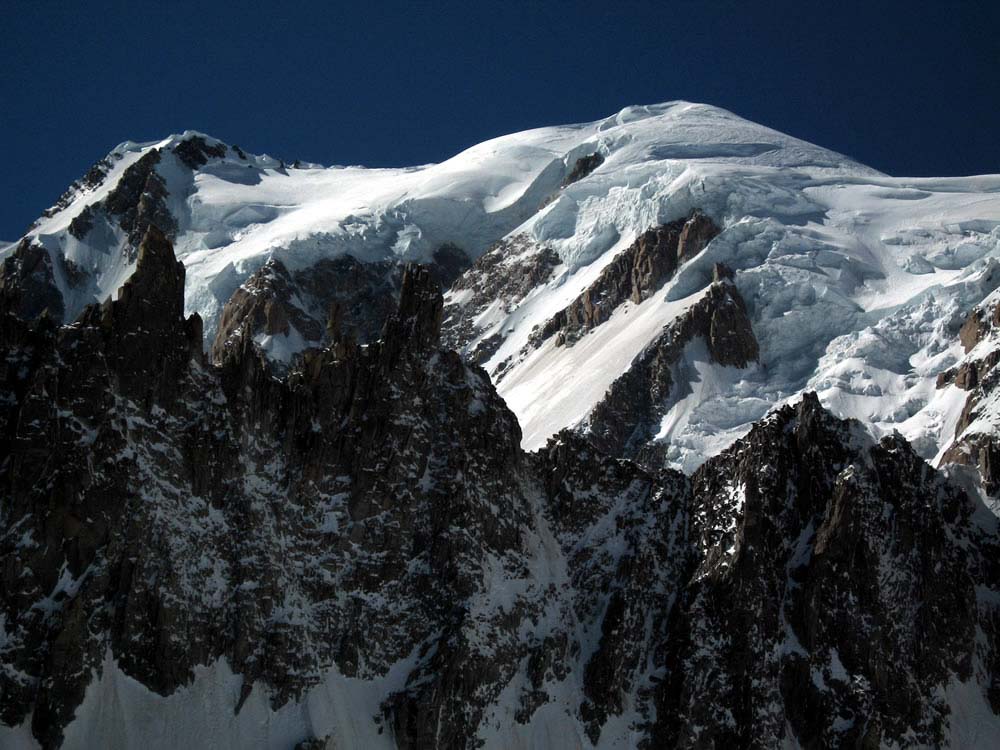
(832, 258)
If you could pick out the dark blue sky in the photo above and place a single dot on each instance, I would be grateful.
(909, 88)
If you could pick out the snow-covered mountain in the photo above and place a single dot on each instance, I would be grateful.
(832, 258)
(254, 495)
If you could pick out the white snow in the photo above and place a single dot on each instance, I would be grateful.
(234, 214)
(118, 713)
(972, 723)
(19, 737)
(831, 256)
(559, 385)
(716, 409)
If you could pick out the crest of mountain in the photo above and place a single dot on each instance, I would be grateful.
(662, 430)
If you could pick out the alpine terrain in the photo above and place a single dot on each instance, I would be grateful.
(666, 430)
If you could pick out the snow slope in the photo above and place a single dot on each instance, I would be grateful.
(831, 256)
(234, 213)
(828, 254)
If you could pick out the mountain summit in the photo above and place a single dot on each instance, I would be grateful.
(828, 256)
(662, 430)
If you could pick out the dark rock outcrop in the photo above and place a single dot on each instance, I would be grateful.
(94, 177)
(970, 373)
(633, 275)
(138, 200)
(67, 436)
(372, 508)
(504, 274)
(978, 325)
(354, 298)
(195, 151)
(151, 465)
(342, 296)
(311, 306)
(980, 377)
(583, 167)
(27, 283)
(836, 588)
(449, 263)
(625, 421)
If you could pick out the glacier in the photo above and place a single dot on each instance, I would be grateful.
(856, 286)
(832, 257)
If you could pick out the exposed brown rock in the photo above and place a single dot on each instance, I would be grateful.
(392, 473)
(83, 222)
(507, 272)
(979, 323)
(138, 200)
(94, 177)
(633, 275)
(195, 151)
(623, 422)
(274, 299)
(980, 378)
(583, 167)
(333, 296)
(696, 233)
(980, 450)
(27, 283)
(372, 508)
(790, 603)
(120, 432)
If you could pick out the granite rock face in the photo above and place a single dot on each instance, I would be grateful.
(69, 430)
(94, 177)
(157, 470)
(27, 283)
(633, 275)
(139, 200)
(196, 152)
(289, 311)
(504, 276)
(305, 307)
(837, 583)
(625, 422)
(371, 507)
(107, 214)
(976, 442)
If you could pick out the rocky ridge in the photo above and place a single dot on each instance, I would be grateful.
(504, 275)
(372, 510)
(27, 283)
(813, 276)
(975, 442)
(251, 493)
(625, 422)
(277, 305)
(634, 274)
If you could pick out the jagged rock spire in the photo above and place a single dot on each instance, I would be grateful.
(152, 299)
(416, 325)
(145, 335)
(27, 283)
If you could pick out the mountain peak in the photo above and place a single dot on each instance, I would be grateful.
(749, 363)
(816, 243)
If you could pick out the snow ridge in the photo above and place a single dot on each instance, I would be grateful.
(825, 249)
